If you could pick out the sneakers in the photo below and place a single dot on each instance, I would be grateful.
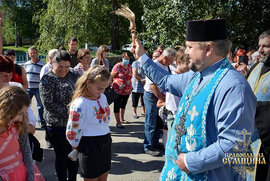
(120, 126)
(135, 116)
(159, 147)
(152, 152)
(48, 144)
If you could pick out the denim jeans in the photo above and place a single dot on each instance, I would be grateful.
(63, 165)
(151, 132)
(35, 92)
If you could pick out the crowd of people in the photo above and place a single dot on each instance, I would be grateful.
(198, 98)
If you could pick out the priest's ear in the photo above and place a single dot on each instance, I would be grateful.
(209, 48)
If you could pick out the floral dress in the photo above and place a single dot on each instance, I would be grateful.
(122, 80)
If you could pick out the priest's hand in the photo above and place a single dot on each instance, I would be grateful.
(181, 163)
(137, 51)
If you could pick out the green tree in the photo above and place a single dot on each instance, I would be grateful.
(18, 19)
(89, 21)
(165, 20)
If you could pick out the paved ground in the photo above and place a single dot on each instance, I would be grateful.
(129, 163)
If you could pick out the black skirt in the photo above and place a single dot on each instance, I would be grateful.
(95, 155)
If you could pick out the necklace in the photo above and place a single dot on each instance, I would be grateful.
(180, 128)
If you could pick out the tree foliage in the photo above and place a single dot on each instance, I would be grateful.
(158, 21)
(18, 19)
(88, 20)
(165, 20)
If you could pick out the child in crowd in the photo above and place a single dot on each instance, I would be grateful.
(88, 125)
(15, 155)
(138, 81)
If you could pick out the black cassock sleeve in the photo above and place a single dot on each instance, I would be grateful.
(262, 122)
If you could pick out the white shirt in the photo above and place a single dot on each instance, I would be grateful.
(45, 69)
(148, 82)
(172, 101)
(86, 119)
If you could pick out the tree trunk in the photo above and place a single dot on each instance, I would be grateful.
(20, 41)
(115, 29)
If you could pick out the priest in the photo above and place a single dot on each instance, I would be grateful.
(215, 117)
(259, 80)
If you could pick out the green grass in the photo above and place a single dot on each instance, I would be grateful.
(24, 48)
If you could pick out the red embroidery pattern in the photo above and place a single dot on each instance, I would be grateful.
(74, 116)
(75, 125)
(71, 135)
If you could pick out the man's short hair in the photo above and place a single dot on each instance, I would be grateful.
(265, 34)
(72, 39)
(169, 52)
(32, 48)
(9, 53)
(221, 47)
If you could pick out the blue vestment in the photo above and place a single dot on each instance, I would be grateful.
(231, 110)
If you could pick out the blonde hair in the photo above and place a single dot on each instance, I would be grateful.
(101, 49)
(181, 56)
(94, 73)
(12, 100)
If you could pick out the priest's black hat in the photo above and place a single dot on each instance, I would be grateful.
(206, 30)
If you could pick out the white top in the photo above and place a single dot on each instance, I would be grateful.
(148, 82)
(86, 119)
(31, 117)
(172, 101)
(45, 69)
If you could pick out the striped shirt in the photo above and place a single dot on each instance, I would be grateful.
(33, 72)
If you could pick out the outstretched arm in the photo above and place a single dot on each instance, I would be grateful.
(174, 84)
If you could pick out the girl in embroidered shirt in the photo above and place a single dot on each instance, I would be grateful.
(15, 155)
(88, 125)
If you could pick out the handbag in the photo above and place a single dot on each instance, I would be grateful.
(38, 175)
(110, 94)
(37, 151)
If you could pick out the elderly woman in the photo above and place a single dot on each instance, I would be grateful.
(101, 55)
(84, 60)
(56, 90)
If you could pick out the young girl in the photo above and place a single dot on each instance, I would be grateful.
(15, 155)
(88, 125)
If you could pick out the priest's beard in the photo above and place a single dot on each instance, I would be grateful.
(265, 60)
(199, 66)
(193, 67)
